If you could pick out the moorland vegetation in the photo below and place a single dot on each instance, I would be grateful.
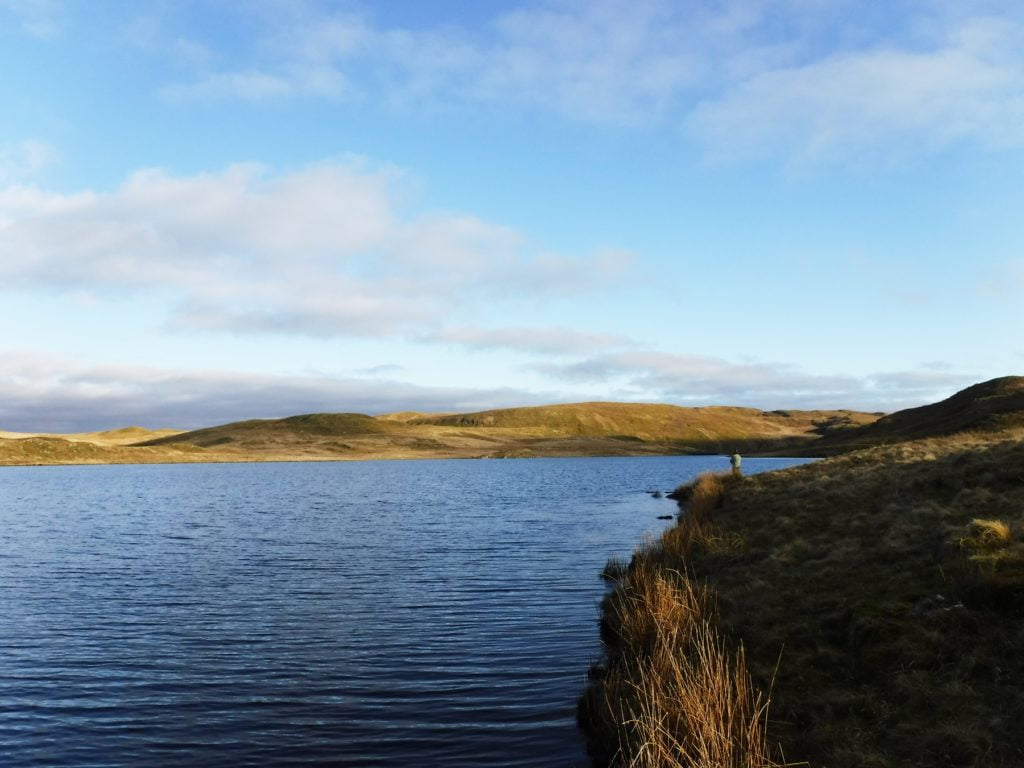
(862, 611)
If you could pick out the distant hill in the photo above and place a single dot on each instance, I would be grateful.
(654, 422)
(576, 429)
(991, 406)
(572, 429)
(261, 432)
(110, 437)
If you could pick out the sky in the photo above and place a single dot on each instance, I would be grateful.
(214, 210)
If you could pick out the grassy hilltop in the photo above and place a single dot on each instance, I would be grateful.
(579, 429)
(878, 598)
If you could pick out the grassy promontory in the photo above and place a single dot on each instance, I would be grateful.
(876, 597)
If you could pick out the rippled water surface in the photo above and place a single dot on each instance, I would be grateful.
(404, 613)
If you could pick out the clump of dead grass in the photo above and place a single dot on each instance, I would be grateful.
(993, 547)
(672, 695)
(669, 692)
(992, 534)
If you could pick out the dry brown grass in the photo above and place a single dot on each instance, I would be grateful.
(670, 693)
(992, 534)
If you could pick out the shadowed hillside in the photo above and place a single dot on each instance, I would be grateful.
(267, 432)
(990, 406)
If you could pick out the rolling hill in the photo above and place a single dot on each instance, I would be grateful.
(573, 429)
(559, 430)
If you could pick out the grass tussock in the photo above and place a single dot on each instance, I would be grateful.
(993, 547)
(669, 692)
(992, 534)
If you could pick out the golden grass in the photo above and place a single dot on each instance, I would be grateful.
(992, 533)
(581, 429)
(992, 546)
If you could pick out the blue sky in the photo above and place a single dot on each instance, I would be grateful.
(222, 210)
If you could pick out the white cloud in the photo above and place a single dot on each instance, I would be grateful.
(329, 250)
(899, 102)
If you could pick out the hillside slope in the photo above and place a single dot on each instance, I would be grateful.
(582, 429)
(574, 429)
(988, 407)
(652, 422)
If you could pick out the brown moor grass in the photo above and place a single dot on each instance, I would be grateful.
(879, 596)
(891, 581)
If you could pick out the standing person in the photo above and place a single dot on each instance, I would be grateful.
(736, 460)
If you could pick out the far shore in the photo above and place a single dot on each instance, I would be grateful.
(569, 430)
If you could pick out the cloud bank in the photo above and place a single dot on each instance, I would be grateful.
(46, 394)
(326, 251)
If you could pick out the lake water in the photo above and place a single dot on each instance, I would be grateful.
(400, 613)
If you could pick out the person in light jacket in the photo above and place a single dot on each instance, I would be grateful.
(735, 461)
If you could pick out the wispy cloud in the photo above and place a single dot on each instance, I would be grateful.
(784, 78)
(22, 160)
(246, 86)
(531, 340)
(329, 250)
(884, 100)
(46, 394)
(606, 60)
(705, 380)
(40, 18)
(1006, 281)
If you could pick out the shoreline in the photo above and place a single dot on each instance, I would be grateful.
(120, 459)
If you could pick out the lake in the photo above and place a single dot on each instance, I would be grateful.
(380, 613)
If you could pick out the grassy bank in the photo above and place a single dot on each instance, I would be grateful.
(879, 597)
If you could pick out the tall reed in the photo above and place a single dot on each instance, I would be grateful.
(669, 692)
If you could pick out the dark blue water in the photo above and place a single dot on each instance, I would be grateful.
(405, 613)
